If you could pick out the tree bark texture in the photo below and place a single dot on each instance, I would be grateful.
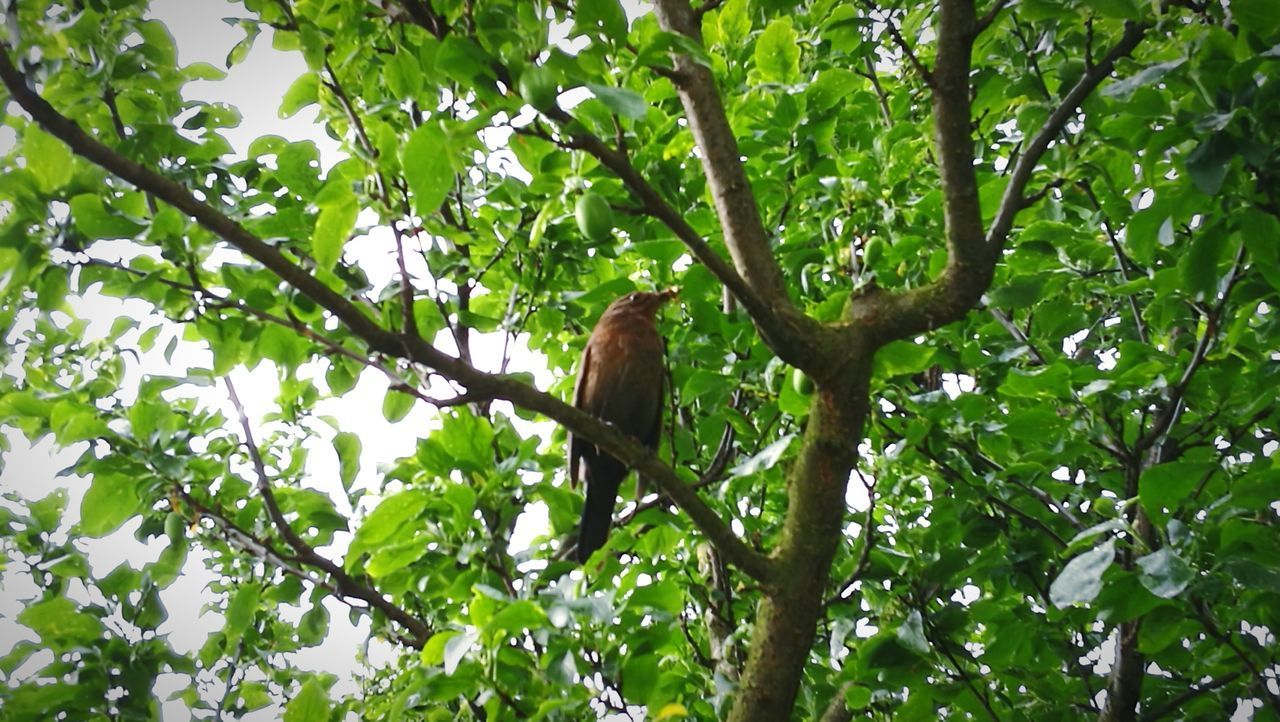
(788, 615)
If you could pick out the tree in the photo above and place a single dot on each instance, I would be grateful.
(1024, 252)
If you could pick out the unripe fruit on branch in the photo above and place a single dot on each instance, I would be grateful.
(595, 217)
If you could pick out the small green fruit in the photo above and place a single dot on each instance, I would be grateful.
(175, 526)
(801, 382)
(595, 217)
(1105, 505)
(538, 87)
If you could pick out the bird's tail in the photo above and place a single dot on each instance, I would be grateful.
(597, 511)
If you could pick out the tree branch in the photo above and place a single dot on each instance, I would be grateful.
(837, 709)
(864, 555)
(345, 583)
(901, 42)
(970, 262)
(990, 15)
(1122, 259)
(1213, 322)
(971, 257)
(626, 448)
(790, 334)
(1012, 201)
(735, 203)
(1175, 702)
(1017, 334)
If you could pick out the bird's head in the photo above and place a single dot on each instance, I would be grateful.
(644, 302)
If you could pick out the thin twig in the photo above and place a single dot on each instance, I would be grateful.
(1122, 259)
(1213, 322)
(305, 553)
(1174, 703)
(989, 17)
(903, 45)
(1017, 334)
(1011, 202)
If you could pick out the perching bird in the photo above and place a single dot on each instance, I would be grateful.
(620, 381)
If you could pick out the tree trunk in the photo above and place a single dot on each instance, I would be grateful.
(812, 533)
(1124, 686)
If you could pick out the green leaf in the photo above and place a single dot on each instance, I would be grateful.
(1162, 627)
(626, 103)
(1145, 228)
(1123, 89)
(48, 158)
(911, 634)
(73, 422)
(166, 568)
(1167, 485)
(311, 704)
(830, 87)
(1050, 381)
(1119, 9)
(60, 624)
(333, 227)
(47, 512)
(240, 612)
(1081, 579)
(283, 346)
(389, 516)
(96, 222)
(1259, 231)
(463, 500)
(241, 49)
(151, 612)
(457, 647)
(108, 503)
(593, 16)
(348, 447)
(433, 650)
(516, 616)
(1164, 574)
(639, 677)
(396, 405)
(901, 358)
(462, 60)
(663, 596)
(314, 625)
(1208, 163)
(857, 697)
(777, 52)
(1260, 17)
(203, 71)
(734, 21)
(303, 92)
(1019, 292)
(1199, 267)
(427, 168)
(297, 166)
(395, 557)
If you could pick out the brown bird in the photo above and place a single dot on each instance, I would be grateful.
(620, 381)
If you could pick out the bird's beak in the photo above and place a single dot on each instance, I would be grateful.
(669, 293)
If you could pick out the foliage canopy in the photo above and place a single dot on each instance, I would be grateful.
(1071, 488)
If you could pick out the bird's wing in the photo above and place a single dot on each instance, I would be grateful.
(655, 430)
(579, 387)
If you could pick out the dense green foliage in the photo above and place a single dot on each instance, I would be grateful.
(1092, 448)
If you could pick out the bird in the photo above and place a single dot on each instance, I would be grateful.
(620, 381)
